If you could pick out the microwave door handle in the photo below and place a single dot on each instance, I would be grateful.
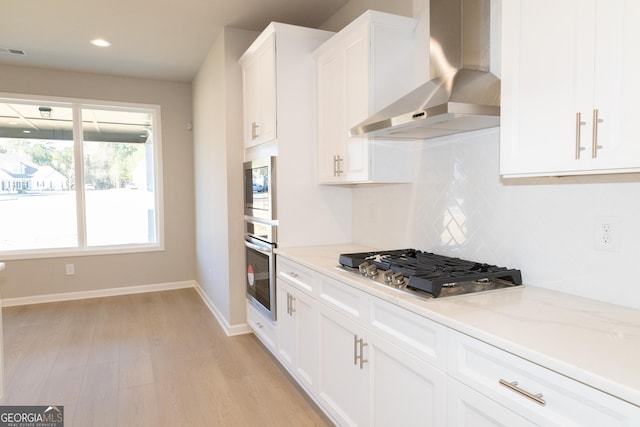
(258, 248)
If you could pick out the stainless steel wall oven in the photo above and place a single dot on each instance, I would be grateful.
(259, 242)
(260, 233)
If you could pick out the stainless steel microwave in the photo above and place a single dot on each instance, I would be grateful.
(260, 188)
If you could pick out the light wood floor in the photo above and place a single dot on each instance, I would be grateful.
(156, 359)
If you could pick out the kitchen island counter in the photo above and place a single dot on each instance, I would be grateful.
(592, 342)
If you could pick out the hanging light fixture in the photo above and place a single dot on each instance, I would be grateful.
(45, 112)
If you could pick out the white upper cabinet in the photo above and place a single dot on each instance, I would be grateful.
(259, 89)
(269, 77)
(361, 70)
(567, 87)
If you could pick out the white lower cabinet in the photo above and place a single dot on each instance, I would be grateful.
(404, 390)
(343, 378)
(365, 380)
(297, 325)
(369, 362)
(535, 393)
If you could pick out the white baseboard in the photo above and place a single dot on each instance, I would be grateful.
(70, 296)
(229, 330)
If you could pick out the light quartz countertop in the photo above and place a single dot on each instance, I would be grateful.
(589, 341)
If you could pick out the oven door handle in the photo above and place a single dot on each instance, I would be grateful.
(260, 248)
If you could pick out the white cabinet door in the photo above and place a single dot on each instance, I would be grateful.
(617, 58)
(566, 78)
(404, 390)
(343, 102)
(468, 408)
(331, 117)
(365, 380)
(360, 70)
(297, 323)
(259, 81)
(541, 83)
(286, 326)
(343, 375)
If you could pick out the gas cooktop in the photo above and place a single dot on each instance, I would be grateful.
(429, 275)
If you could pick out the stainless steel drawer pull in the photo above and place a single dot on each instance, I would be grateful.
(254, 130)
(292, 274)
(514, 386)
(579, 123)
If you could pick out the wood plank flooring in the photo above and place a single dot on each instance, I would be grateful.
(155, 359)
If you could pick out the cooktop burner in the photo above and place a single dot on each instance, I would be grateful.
(429, 275)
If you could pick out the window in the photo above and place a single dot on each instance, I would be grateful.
(78, 177)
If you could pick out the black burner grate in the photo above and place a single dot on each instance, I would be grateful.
(429, 272)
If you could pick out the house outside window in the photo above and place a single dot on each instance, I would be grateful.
(78, 177)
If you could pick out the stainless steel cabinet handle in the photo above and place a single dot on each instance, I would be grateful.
(254, 130)
(594, 134)
(290, 300)
(291, 309)
(358, 351)
(514, 386)
(355, 349)
(362, 359)
(579, 123)
(337, 171)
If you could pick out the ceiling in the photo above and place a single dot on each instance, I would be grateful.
(160, 39)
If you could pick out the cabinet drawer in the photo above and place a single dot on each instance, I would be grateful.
(264, 329)
(540, 395)
(468, 408)
(420, 336)
(301, 277)
(342, 298)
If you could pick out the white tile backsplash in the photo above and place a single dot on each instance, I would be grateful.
(459, 206)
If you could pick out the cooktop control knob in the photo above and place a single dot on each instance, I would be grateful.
(363, 267)
(397, 279)
(371, 270)
(387, 276)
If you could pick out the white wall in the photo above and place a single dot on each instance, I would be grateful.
(36, 277)
(218, 155)
(459, 206)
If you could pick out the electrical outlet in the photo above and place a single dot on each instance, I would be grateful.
(71, 269)
(607, 233)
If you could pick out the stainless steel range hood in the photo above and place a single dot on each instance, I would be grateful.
(462, 95)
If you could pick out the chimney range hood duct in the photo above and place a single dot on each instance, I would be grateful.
(462, 95)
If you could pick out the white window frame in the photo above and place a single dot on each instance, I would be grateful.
(77, 104)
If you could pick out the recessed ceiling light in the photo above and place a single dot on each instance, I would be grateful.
(100, 43)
